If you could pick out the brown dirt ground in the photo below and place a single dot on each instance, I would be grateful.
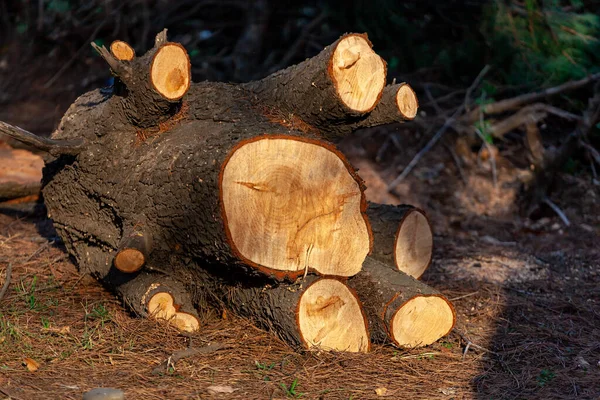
(526, 295)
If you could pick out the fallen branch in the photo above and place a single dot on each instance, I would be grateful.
(516, 102)
(186, 353)
(53, 147)
(557, 210)
(528, 115)
(449, 122)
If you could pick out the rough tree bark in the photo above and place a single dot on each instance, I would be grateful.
(154, 295)
(183, 180)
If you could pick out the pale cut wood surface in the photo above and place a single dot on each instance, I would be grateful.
(170, 71)
(359, 73)
(421, 321)
(122, 51)
(292, 205)
(161, 307)
(414, 244)
(407, 102)
(330, 317)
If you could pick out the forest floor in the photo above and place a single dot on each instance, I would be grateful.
(525, 291)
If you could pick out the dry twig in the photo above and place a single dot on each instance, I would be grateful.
(53, 147)
(473, 345)
(6, 281)
(594, 154)
(557, 210)
(189, 352)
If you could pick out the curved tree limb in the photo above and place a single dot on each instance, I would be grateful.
(53, 147)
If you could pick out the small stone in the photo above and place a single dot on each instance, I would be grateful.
(104, 394)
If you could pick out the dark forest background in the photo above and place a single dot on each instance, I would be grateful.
(530, 42)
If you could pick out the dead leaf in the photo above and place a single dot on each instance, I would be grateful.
(31, 364)
(450, 391)
(381, 391)
(582, 362)
(65, 330)
(220, 389)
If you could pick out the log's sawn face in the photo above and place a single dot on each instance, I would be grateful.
(358, 73)
(330, 317)
(170, 71)
(414, 244)
(407, 103)
(291, 205)
(421, 321)
(162, 306)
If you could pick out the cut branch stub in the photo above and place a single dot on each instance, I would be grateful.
(292, 205)
(133, 252)
(344, 82)
(400, 308)
(150, 87)
(161, 306)
(53, 147)
(406, 101)
(330, 317)
(358, 73)
(122, 51)
(170, 71)
(157, 296)
(402, 236)
(398, 103)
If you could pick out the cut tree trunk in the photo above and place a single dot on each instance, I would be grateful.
(401, 309)
(321, 313)
(402, 237)
(167, 191)
(291, 205)
(343, 83)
